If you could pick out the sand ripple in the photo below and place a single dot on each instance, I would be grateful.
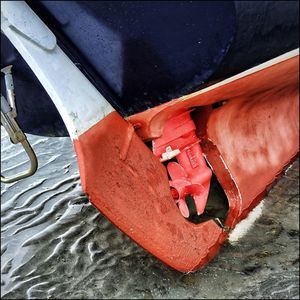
(55, 244)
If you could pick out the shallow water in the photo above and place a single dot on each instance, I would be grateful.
(54, 244)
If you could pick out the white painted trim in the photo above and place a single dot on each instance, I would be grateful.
(267, 64)
(77, 100)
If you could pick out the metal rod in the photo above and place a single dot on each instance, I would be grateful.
(32, 169)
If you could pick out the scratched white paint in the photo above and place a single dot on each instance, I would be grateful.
(244, 226)
(29, 24)
(79, 103)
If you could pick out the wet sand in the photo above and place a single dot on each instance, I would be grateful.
(54, 244)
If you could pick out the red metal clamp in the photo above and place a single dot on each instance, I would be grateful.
(190, 176)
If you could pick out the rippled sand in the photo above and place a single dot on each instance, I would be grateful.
(54, 244)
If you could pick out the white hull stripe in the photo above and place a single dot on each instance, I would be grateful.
(79, 103)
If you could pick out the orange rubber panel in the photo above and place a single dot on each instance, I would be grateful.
(252, 138)
(257, 136)
(128, 184)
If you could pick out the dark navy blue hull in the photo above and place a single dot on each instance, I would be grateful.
(142, 54)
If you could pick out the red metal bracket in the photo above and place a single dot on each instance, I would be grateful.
(190, 176)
